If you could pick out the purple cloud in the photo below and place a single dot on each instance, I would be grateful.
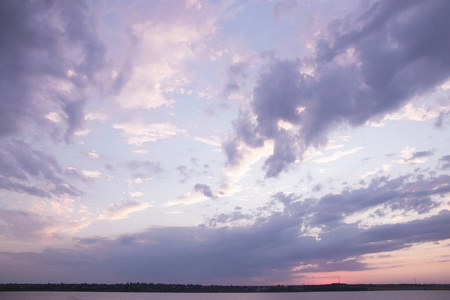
(231, 254)
(205, 190)
(202, 255)
(21, 166)
(42, 58)
(48, 63)
(393, 194)
(390, 58)
(440, 119)
(237, 73)
(444, 162)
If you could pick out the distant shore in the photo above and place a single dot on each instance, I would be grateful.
(195, 288)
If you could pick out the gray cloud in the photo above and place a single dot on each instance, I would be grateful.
(231, 254)
(444, 162)
(420, 154)
(416, 156)
(394, 58)
(231, 151)
(47, 48)
(237, 73)
(202, 255)
(393, 194)
(440, 119)
(224, 218)
(50, 56)
(430, 229)
(205, 190)
(21, 167)
(317, 188)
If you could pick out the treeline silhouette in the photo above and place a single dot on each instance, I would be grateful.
(196, 288)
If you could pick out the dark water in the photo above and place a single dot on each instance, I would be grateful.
(377, 295)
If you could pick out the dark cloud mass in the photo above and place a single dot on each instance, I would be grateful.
(47, 48)
(367, 65)
(272, 247)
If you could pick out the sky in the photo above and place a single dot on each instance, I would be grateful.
(250, 142)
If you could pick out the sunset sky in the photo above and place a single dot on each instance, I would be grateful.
(225, 141)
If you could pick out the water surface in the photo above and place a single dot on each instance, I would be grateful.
(369, 295)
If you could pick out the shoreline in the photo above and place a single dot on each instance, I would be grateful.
(196, 288)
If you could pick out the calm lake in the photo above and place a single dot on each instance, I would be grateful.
(377, 295)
